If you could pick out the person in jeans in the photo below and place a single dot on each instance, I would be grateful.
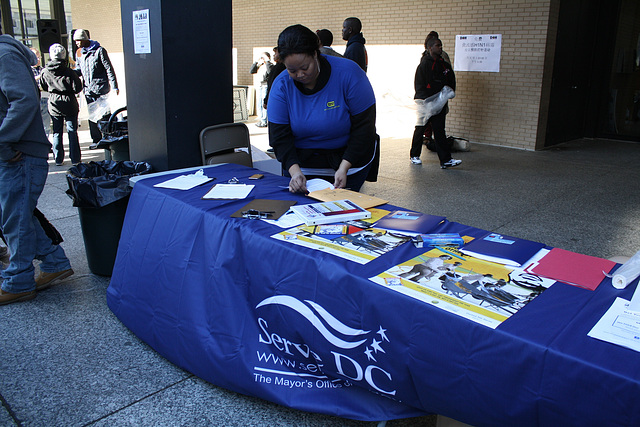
(63, 84)
(24, 149)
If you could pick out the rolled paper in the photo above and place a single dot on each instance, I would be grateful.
(626, 273)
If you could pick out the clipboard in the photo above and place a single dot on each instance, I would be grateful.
(362, 200)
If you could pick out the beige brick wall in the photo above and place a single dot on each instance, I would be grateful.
(102, 19)
(494, 108)
(506, 108)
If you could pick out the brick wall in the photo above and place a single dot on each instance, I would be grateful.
(506, 108)
(102, 19)
(494, 108)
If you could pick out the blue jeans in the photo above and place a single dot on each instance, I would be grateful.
(72, 132)
(21, 184)
(262, 111)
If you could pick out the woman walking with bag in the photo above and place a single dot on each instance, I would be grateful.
(63, 84)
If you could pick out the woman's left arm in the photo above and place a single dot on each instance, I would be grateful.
(361, 145)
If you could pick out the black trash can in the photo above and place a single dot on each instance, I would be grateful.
(115, 137)
(100, 191)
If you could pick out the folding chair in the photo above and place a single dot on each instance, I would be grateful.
(226, 143)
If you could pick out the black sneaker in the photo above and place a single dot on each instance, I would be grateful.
(451, 163)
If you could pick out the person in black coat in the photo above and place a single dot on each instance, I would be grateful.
(63, 84)
(432, 75)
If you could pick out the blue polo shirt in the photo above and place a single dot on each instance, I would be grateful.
(322, 119)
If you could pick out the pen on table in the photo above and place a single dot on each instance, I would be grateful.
(449, 252)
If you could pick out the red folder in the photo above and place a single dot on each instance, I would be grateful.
(572, 268)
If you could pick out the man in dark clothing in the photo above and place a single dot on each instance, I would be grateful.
(432, 75)
(351, 32)
(97, 72)
(24, 149)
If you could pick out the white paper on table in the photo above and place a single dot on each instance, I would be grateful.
(288, 220)
(185, 182)
(229, 191)
(619, 326)
(317, 184)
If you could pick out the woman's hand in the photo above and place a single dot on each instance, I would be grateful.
(298, 182)
(340, 178)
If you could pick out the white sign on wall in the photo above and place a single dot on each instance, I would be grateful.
(478, 53)
(141, 35)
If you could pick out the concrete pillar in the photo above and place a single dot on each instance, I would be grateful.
(178, 76)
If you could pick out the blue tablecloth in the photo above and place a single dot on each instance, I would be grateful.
(220, 298)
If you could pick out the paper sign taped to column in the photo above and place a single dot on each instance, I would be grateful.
(478, 53)
(141, 33)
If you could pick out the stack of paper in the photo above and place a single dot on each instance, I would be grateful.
(185, 182)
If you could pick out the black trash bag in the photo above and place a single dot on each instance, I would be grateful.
(97, 184)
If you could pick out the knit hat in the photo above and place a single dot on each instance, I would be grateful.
(57, 51)
(81, 34)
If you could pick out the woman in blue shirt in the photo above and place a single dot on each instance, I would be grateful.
(321, 115)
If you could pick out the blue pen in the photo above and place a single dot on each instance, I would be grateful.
(449, 252)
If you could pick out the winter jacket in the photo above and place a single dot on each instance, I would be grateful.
(432, 75)
(96, 70)
(21, 127)
(356, 51)
(62, 83)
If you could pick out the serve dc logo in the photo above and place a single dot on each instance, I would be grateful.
(356, 353)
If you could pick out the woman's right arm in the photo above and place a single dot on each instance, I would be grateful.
(282, 141)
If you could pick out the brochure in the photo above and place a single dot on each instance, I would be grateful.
(410, 223)
(330, 212)
(484, 292)
(361, 246)
(502, 249)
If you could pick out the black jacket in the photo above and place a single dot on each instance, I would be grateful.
(356, 51)
(63, 84)
(432, 75)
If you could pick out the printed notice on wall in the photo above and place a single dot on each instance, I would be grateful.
(478, 53)
(141, 36)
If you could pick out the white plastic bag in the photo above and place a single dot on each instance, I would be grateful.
(98, 108)
(431, 106)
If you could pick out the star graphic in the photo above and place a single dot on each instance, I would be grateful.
(383, 336)
(376, 346)
(369, 355)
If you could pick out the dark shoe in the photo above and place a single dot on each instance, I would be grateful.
(270, 150)
(451, 163)
(45, 280)
(8, 297)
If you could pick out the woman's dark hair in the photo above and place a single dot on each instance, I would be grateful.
(297, 39)
(431, 35)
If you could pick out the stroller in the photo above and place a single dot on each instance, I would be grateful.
(115, 137)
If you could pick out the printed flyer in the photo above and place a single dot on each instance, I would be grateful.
(484, 292)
